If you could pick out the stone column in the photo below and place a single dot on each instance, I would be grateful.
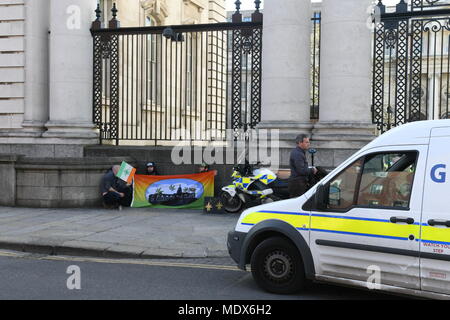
(286, 70)
(36, 66)
(71, 63)
(345, 87)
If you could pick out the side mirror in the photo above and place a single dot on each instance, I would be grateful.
(321, 198)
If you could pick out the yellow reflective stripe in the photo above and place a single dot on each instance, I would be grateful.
(364, 227)
(339, 224)
(354, 226)
(297, 221)
(435, 234)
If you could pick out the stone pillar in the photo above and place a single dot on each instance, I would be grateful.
(36, 66)
(345, 87)
(71, 64)
(286, 70)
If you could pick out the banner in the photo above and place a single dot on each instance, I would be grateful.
(177, 192)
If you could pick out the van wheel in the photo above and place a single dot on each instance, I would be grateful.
(277, 266)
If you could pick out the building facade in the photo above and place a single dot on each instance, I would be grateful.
(54, 87)
(46, 66)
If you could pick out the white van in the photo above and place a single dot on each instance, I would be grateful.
(380, 220)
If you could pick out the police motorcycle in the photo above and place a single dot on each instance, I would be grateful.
(253, 186)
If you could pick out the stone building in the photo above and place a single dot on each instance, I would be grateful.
(46, 81)
(46, 66)
(345, 123)
(46, 85)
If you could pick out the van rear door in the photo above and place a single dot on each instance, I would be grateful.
(435, 238)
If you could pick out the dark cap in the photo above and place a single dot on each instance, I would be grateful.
(150, 164)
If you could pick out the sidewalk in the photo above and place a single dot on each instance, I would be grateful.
(130, 233)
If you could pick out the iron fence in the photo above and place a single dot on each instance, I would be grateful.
(183, 83)
(176, 83)
(411, 70)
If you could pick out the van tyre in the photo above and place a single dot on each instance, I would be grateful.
(277, 266)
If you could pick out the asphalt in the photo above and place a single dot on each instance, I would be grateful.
(129, 233)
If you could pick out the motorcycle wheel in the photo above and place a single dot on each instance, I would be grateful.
(231, 204)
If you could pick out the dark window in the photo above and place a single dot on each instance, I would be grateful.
(387, 180)
(378, 180)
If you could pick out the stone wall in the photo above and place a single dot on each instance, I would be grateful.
(43, 150)
(55, 183)
(49, 182)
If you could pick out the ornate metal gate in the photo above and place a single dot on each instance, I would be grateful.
(177, 83)
(411, 69)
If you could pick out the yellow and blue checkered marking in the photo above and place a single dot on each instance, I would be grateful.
(243, 183)
(265, 178)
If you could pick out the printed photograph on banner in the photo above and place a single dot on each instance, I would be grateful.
(177, 191)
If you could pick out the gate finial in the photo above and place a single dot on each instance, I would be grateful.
(97, 24)
(98, 11)
(257, 16)
(114, 11)
(237, 16)
(238, 6)
(257, 5)
(114, 23)
(401, 7)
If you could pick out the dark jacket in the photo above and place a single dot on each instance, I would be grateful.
(110, 180)
(299, 164)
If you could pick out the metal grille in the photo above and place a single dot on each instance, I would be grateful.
(411, 63)
(156, 84)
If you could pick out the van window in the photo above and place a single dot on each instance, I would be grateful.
(342, 188)
(387, 180)
(378, 180)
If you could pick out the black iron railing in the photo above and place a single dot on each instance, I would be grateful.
(185, 82)
(176, 83)
(411, 73)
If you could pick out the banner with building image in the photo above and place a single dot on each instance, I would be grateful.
(177, 192)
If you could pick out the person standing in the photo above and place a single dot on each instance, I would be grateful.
(300, 171)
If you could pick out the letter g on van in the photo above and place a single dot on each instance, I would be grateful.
(438, 175)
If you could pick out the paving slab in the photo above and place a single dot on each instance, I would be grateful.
(131, 232)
